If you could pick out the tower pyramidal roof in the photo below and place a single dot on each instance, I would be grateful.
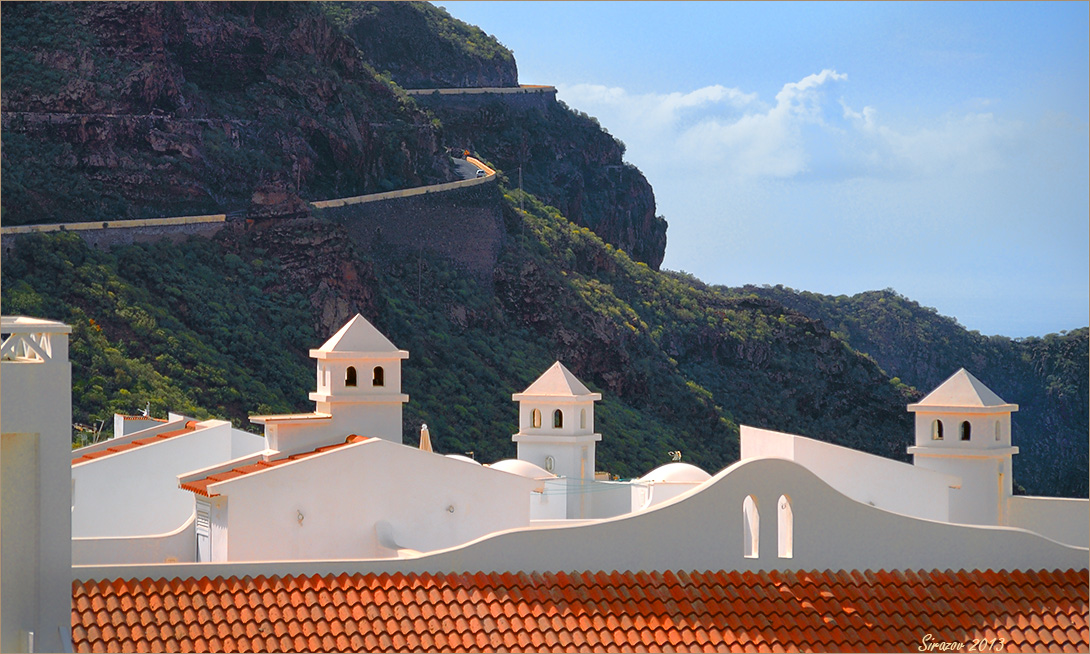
(357, 336)
(963, 390)
(557, 381)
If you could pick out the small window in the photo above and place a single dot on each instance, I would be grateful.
(936, 430)
(966, 431)
(998, 430)
(558, 419)
(752, 527)
(536, 419)
(786, 528)
(350, 376)
(379, 378)
(583, 419)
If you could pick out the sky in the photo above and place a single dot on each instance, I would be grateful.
(939, 149)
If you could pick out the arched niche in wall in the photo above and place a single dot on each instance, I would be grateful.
(785, 519)
(752, 527)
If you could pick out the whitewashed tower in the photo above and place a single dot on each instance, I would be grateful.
(556, 430)
(964, 429)
(36, 498)
(358, 392)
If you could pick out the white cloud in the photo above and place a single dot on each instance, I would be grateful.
(972, 143)
(802, 133)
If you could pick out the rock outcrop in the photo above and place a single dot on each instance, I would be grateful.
(567, 160)
(123, 110)
(423, 47)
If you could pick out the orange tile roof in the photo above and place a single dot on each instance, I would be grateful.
(603, 612)
(190, 426)
(200, 486)
(143, 418)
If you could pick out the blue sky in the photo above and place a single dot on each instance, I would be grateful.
(940, 149)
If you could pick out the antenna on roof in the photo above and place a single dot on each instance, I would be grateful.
(675, 455)
(146, 411)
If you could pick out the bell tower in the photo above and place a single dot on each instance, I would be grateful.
(358, 392)
(964, 429)
(556, 424)
(359, 381)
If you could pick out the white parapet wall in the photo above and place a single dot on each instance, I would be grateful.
(177, 546)
(703, 530)
(1065, 520)
(866, 478)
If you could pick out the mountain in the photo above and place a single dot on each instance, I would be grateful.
(221, 326)
(560, 155)
(136, 110)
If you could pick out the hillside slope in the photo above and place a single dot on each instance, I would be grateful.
(1049, 377)
(222, 327)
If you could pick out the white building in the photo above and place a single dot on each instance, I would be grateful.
(338, 484)
(126, 503)
(361, 498)
(336, 491)
(35, 439)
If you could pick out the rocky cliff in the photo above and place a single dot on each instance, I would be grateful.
(566, 159)
(422, 47)
(121, 110)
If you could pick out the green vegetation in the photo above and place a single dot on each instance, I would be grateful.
(184, 327)
(209, 328)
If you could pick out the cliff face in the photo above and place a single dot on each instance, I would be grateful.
(567, 160)
(422, 47)
(115, 110)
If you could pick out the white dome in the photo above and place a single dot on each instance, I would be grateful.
(677, 472)
(522, 469)
(459, 457)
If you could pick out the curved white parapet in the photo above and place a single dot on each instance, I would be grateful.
(706, 529)
(178, 545)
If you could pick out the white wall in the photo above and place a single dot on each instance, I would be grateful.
(429, 501)
(176, 546)
(1066, 520)
(661, 491)
(35, 441)
(552, 502)
(135, 492)
(703, 530)
(980, 500)
(866, 478)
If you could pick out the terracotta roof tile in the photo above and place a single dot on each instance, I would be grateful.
(667, 611)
